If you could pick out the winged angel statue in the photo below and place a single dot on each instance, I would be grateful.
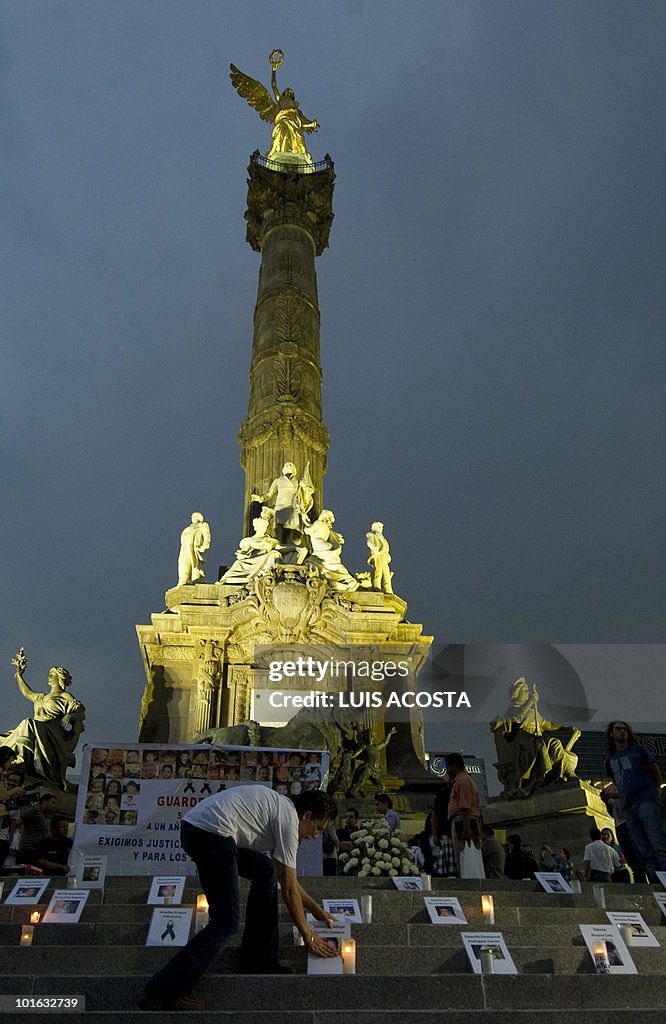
(283, 113)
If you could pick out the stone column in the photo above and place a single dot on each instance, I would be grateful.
(288, 220)
(208, 676)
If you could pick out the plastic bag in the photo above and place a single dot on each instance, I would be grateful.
(471, 862)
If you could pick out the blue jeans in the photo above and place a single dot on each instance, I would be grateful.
(644, 822)
(219, 863)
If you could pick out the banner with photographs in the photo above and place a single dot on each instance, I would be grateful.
(132, 797)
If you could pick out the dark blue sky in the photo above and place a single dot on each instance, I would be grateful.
(492, 312)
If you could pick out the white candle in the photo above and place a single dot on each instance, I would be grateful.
(349, 956)
(298, 938)
(575, 885)
(366, 909)
(599, 895)
(427, 882)
(27, 932)
(201, 916)
(488, 908)
(72, 882)
(487, 961)
(627, 934)
(601, 964)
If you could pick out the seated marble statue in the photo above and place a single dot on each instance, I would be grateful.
(257, 554)
(327, 552)
(194, 542)
(45, 743)
(526, 758)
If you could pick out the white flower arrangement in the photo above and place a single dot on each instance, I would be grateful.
(377, 852)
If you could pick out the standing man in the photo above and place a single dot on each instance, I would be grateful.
(464, 806)
(599, 859)
(638, 781)
(35, 823)
(194, 542)
(229, 834)
(493, 853)
(344, 834)
(380, 556)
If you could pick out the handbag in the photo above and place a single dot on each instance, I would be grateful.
(471, 862)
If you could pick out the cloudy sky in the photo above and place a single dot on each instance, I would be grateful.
(492, 312)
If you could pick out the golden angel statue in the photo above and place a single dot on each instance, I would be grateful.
(283, 112)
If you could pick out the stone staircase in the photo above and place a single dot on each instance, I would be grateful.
(408, 970)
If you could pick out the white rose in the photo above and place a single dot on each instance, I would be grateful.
(375, 871)
(396, 862)
(392, 873)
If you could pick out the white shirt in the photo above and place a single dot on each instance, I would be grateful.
(601, 857)
(256, 817)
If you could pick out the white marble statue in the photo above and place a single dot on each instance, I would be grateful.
(256, 554)
(291, 500)
(194, 542)
(327, 552)
(45, 743)
(380, 556)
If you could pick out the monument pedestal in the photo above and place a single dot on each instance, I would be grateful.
(556, 816)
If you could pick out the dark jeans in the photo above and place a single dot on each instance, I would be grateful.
(219, 863)
(630, 855)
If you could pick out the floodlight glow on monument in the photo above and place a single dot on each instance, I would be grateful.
(288, 584)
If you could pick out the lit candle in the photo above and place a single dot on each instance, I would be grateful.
(488, 908)
(27, 931)
(34, 917)
(601, 964)
(349, 956)
(366, 909)
(72, 882)
(487, 956)
(201, 916)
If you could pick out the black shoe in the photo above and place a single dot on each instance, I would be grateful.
(163, 1001)
(267, 967)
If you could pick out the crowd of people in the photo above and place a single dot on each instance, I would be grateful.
(229, 832)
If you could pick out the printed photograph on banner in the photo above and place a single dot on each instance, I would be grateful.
(553, 881)
(346, 910)
(445, 910)
(27, 891)
(475, 942)
(407, 883)
(166, 889)
(90, 872)
(334, 937)
(66, 906)
(606, 939)
(169, 926)
(133, 797)
(641, 935)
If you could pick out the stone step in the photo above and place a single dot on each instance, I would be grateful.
(325, 1016)
(409, 962)
(405, 998)
(403, 935)
(397, 916)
